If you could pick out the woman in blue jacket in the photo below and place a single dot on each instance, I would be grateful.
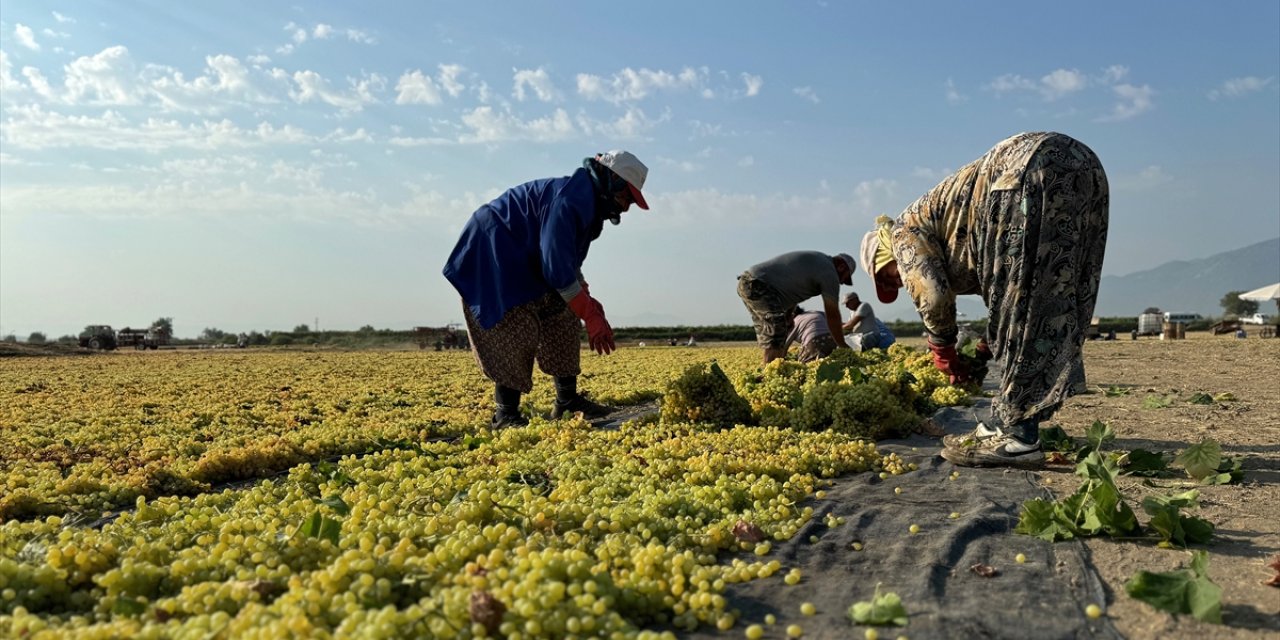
(518, 267)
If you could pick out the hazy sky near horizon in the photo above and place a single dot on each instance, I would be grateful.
(258, 165)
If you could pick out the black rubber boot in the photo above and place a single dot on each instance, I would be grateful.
(569, 401)
(508, 412)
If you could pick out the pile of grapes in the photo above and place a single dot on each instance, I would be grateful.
(873, 394)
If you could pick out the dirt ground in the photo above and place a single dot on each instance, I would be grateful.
(1246, 515)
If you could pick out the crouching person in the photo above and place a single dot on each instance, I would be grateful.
(813, 334)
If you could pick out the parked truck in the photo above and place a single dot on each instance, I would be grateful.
(1150, 324)
(101, 337)
(141, 339)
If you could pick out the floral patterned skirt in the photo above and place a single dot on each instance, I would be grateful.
(1051, 234)
(544, 330)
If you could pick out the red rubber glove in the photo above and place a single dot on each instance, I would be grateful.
(947, 361)
(599, 333)
(983, 350)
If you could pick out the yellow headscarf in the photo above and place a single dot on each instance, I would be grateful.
(884, 254)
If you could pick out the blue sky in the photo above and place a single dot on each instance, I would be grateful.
(258, 165)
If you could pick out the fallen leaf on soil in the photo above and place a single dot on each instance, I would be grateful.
(1056, 457)
(985, 570)
(931, 429)
(747, 532)
(1275, 580)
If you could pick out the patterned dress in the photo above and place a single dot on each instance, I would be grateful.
(1025, 227)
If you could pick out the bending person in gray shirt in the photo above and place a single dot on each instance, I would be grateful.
(772, 289)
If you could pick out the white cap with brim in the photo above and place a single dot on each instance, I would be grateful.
(629, 168)
(849, 262)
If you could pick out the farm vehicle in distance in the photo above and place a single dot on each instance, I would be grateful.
(101, 337)
(452, 336)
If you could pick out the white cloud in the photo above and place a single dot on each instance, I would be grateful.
(9, 160)
(1114, 73)
(54, 34)
(488, 126)
(25, 37)
(1052, 86)
(412, 141)
(7, 81)
(299, 36)
(807, 93)
(32, 127)
(195, 198)
(930, 174)
(631, 125)
(1149, 178)
(1239, 87)
(700, 207)
(683, 166)
(1062, 82)
(538, 80)
(632, 85)
(448, 78)
(105, 78)
(1010, 82)
(39, 83)
(417, 88)
(1134, 100)
(311, 86)
(363, 37)
(953, 95)
(309, 176)
(342, 135)
(258, 59)
(63, 19)
(754, 84)
(322, 31)
(747, 161)
(702, 129)
(224, 78)
(875, 195)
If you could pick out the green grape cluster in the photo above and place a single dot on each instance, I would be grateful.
(875, 394)
(949, 396)
(703, 393)
(867, 409)
(775, 390)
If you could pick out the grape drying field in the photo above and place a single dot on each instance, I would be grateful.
(243, 494)
(281, 494)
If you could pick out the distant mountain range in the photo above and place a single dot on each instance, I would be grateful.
(1192, 286)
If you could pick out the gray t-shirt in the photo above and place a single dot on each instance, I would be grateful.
(867, 320)
(800, 275)
(809, 326)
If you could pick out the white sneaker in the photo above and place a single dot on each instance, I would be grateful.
(1002, 451)
(980, 433)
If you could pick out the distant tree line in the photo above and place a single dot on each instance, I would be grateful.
(368, 336)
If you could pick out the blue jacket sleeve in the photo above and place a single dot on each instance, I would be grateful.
(565, 222)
